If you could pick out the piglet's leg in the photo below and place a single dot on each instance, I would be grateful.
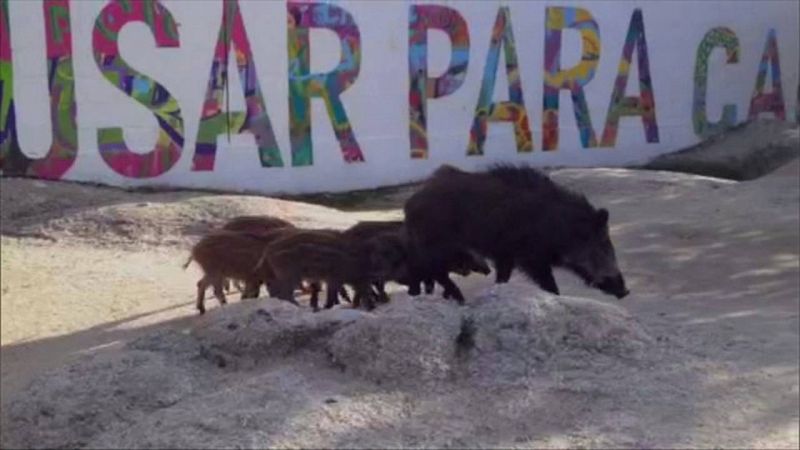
(219, 292)
(364, 291)
(344, 294)
(202, 285)
(251, 289)
(504, 267)
(333, 292)
(429, 286)
(314, 300)
(450, 288)
(285, 290)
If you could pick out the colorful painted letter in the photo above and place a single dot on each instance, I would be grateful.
(139, 87)
(213, 121)
(573, 79)
(512, 110)
(716, 37)
(771, 102)
(421, 19)
(61, 84)
(644, 105)
(304, 85)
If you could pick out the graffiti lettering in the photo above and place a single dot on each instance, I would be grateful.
(60, 82)
(572, 79)
(644, 105)
(716, 37)
(213, 122)
(770, 102)
(422, 87)
(143, 89)
(512, 110)
(381, 119)
(304, 85)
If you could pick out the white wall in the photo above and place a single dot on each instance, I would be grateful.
(377, 103)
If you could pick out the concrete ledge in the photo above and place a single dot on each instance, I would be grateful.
(745, 152)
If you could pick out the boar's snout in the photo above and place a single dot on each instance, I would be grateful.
(614, 286)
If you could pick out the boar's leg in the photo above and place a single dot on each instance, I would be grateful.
(270, 286)
(315, 289)
(363, 291)
(406, 281)
(415, 272)
(414, 288)
(450, 288)
(429, 285)
(334, 290)
(380, 292)
(344, 294)
(413, 281)
(251, 289)
(219, 292)
(503, 267)
(202, 285)
(284, 289)
(541, 274)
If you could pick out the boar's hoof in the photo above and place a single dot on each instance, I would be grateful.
(454, 294)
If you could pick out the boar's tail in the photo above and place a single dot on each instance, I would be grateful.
(188, 261)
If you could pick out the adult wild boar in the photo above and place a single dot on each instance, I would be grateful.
(515, 216)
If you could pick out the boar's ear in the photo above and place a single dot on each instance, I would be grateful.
(602, 217)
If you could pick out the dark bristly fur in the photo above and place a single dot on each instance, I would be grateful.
(265, 225)
(463, 264)
(330, 256)
(224, 254)
(515, 216)
(254, 225)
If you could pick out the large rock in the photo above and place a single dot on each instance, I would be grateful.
(255, 332)
(745, 152)
(502, 335)
(248, 373)
(408, 342)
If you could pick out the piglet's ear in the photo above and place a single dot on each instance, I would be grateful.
(602, 217)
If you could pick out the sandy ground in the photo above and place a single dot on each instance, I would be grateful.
(714, 266)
